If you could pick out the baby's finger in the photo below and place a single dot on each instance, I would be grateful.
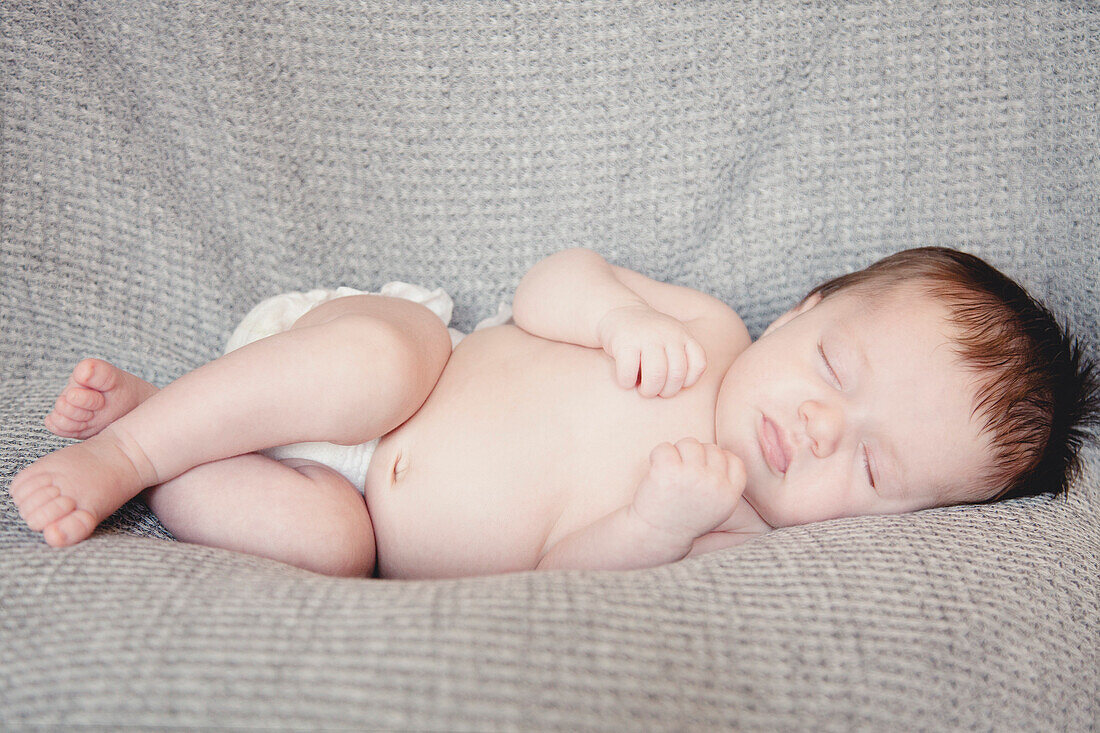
(692, 451)
(626, 366)
(677, 370)
(716, 457)
(664, 454)
(735, 471)
(654, 369)
(697, 362)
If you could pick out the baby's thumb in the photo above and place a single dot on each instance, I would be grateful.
(735, 470)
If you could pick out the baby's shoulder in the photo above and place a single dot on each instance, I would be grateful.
(721, 332)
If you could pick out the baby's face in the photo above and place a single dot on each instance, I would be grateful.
(840, 395)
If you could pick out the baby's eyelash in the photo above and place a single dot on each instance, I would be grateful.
(867, 465)
(829, 366)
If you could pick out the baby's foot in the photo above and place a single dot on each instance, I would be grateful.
(98, 393)
(67, 493)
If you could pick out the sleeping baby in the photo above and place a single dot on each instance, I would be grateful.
(619, 422)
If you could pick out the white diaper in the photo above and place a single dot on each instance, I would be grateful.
(279, 313)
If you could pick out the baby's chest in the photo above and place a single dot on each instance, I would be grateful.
(521, 442)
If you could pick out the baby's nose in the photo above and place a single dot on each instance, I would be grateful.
(823, 425)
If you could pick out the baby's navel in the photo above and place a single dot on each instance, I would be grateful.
(399, 467)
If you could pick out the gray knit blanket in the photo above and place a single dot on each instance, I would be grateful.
(168, 165)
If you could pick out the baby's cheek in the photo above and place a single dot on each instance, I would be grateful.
(790, 508)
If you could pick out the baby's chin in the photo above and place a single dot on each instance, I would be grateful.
(775, 510)
(752, 496)
(760, 482)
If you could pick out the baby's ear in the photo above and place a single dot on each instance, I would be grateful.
(793, 313)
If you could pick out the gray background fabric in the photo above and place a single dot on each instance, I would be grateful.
(168, 165)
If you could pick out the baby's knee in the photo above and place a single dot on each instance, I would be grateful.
(350, 554)
(347, 547)
(343, 543)
(402, 365)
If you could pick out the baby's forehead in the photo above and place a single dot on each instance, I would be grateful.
(913, 336)
(879, 314)
(884, 316)
(900, 299)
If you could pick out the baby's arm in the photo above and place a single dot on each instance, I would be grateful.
(652, 330)
(564, 296)
(619, 541)
(690, 490)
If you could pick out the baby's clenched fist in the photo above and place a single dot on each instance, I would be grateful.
(690, 489)
(652, 350)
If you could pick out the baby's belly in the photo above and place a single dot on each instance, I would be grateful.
(522, 441)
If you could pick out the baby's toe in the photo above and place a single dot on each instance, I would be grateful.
(95, 374)
(82, 402)
(49, 512)
(35, 500)
(27, 483)
(70, 529)
(63, 425)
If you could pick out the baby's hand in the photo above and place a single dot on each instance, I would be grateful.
(640, 338)
(691, 488)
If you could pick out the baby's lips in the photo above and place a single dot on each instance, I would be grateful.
(772, 446)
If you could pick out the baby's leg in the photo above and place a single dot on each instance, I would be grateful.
(292, 510)
(345, 380)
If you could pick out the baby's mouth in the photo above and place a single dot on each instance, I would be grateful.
(771, 445)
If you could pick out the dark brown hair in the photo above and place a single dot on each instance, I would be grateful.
(1036, 391)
